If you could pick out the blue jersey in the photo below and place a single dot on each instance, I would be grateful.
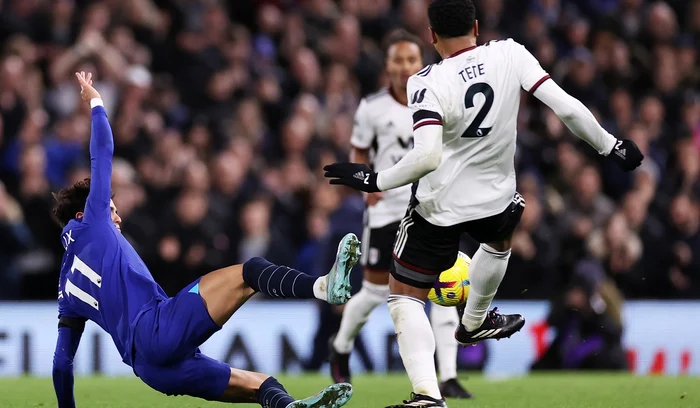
(102, 278)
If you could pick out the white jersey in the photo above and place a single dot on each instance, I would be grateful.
(475, 95)
(384, 126)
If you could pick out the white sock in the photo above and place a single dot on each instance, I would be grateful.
(444, 321)
(356, 313)
(320, 287)
(416, 343)
(485, 275)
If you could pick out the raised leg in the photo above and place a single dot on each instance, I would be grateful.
(227, 289)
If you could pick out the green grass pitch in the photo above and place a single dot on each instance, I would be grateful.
(563, 390)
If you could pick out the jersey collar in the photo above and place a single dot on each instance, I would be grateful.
(393, 95)
(462, 51)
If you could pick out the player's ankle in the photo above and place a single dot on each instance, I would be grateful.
(472, 322)
(428, 387)
(321, 288)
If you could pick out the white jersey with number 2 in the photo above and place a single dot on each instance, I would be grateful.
(475, 95)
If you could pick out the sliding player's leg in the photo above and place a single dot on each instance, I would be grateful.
(486, 271)
(167, 336)
(376, 257)
(225, 290)
(445, 321)
(203, 377)
(174, 328)
(284, 282)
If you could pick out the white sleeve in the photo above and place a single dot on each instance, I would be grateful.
(529, 71)
(362, 131)
(421, 160)
(421, 94)
(576, 117)
(427, 136)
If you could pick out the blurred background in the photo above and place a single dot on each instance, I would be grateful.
(224, 112)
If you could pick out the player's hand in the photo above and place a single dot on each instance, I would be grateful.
(626, 154)
(371, 199)
(87, 92)
(356, 175)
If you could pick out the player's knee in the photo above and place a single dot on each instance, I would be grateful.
(497, 246)
(376, 291)
(394, 298)
(499, 249)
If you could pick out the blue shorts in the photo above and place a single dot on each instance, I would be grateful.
(197, 376)
(166, 347)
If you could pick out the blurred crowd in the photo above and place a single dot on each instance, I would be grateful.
(224, 112)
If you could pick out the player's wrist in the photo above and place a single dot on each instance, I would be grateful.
(610, 146)
(378, 180)
(626, 154)
(96, 101)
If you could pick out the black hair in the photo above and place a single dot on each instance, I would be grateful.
(398, 36)
(70, 201)
(452, 18)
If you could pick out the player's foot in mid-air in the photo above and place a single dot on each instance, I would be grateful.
(496, 326)
(421, 401)
(453, 389)
(338, 283)
(333, 396)
(340, 364)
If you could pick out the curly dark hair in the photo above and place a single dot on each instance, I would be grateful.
(70, 201)
(452, 18)
(398, 36)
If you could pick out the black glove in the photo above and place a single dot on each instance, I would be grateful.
(356, 175)
(626, 154)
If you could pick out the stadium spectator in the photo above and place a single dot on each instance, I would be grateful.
(684, 243)
(15, 238)
(532, 268)
(586, 320)
(220, 103)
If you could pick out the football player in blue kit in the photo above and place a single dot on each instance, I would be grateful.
(104, 280)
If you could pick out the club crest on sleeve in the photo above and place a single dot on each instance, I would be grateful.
(418, 96)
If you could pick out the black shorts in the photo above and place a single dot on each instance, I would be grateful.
(378, 245)
(423, 250)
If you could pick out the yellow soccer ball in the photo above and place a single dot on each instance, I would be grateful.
(452, 286)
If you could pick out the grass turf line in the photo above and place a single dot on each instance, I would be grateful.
(560, 390)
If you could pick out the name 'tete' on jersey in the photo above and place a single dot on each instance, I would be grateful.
(476, 92)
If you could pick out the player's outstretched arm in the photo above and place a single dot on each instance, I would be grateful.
(571, 111)
(425, 156)
(101, 152)
(69, 332)
(421, 160)
(583, 124)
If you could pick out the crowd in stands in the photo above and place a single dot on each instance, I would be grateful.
(224, 113)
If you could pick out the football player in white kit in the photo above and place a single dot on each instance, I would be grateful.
(382, 135)
(464, 114)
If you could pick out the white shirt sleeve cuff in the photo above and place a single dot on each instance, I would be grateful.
(96, 102)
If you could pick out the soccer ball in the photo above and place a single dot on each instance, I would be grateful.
(452, 286)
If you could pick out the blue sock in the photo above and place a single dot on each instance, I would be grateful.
(278, 281)
(272, 394)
